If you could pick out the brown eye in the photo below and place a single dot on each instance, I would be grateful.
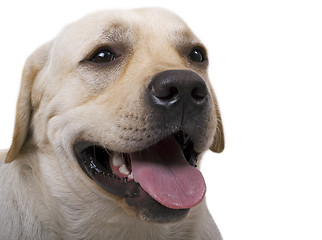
(103, 56)
(197, 55)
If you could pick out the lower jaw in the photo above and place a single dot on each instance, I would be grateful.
(149, 210)
(140, 202)
(95, 162)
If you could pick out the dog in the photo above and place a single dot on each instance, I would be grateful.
(112, 118)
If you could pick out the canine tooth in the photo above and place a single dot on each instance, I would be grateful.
(123, 169)
(118, 160)
(130, 177)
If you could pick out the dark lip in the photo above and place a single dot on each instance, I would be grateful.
(94, 161)
(95, 169)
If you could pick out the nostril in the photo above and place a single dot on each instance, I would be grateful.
(165, 93)
(198, 94)
(173, 88)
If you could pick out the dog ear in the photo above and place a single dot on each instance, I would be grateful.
(218, 143)
(24, 106)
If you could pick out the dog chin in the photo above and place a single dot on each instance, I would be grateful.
(147, 209)
(158, 184)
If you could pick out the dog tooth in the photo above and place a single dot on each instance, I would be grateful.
(130, 177)
(123, 169)
(118, 160)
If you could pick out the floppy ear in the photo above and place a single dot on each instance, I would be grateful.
(24, 107)
(218, 144)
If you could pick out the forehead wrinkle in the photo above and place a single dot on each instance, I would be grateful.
(115, 32)
(183, 37)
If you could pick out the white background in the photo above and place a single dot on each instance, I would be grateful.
(266, 68)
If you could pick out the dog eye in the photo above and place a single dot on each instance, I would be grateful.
(197, 55)
(103, 56)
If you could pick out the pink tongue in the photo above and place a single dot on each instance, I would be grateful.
(163, 172)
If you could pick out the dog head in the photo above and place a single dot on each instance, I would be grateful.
(124, 101)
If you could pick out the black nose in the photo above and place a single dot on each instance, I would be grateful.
(176, 87)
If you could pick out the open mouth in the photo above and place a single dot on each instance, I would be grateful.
(165, 171)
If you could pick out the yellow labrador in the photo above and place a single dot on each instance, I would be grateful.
(112, 118)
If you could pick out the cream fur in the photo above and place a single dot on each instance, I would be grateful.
(44, 193)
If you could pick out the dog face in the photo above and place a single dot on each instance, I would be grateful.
(123, 100)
